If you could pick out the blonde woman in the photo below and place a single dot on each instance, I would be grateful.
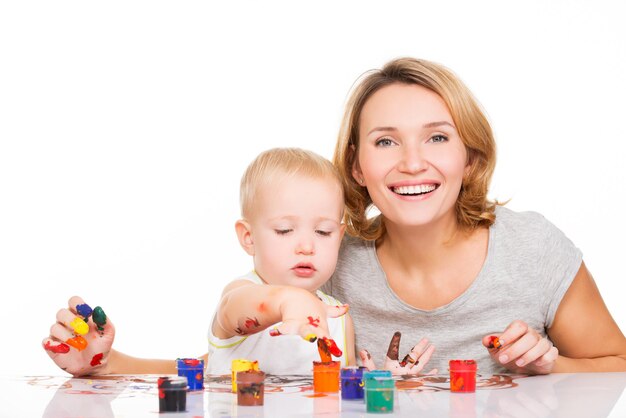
(441, 260)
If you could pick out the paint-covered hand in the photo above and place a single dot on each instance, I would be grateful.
(81, 339)
(413, 363)
(521, 349)
(305, 315)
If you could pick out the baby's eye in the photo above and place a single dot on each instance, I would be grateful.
(438, 138)
(322, 233)
(384, 142)
(282, 231)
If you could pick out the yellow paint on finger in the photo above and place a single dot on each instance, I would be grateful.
(79, 326)
(311, 337)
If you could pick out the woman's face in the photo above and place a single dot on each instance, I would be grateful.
(410, 158)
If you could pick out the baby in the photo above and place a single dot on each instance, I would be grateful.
(292, 205)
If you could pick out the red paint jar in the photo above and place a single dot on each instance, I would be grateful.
(463, 376)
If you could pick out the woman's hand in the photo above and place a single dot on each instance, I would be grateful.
(81, 339)
(412, 363)
(522, 350)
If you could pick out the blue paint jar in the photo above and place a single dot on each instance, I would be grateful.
(352, 382)
(193, 370)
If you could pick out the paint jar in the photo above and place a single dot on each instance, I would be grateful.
(172, 393)
(250, 387)
(326, 376)
(352, 382)
(463, 376)
(193, 370)
(241, 365)
(379, 391)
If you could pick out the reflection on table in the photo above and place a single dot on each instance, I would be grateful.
(557, 395)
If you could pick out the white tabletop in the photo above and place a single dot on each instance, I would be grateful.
(558, 395)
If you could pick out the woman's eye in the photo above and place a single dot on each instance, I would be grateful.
(439, 138)
(384, 142)
(282, 231)
(323, 233)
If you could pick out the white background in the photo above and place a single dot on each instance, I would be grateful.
(125, 127)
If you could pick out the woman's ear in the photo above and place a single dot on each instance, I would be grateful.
(244, 234)
(357, 174)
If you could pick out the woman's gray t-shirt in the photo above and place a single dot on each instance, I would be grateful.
(530, 264)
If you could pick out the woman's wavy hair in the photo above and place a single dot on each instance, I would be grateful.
(473, 208)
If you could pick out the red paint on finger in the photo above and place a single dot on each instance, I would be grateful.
(59, 349)
(274, 332)
(494, 342)
(262, 307)
(95, 361)
(332, 347)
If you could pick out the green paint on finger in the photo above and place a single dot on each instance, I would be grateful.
(99, 317)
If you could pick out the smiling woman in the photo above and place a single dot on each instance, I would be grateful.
(443, 261)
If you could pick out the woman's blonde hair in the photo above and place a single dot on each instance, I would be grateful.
(278, 163)
(473, 208)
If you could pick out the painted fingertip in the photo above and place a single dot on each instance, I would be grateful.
(495, 342)
(78, 343)
(60, 348)
(310, 337)
(332, 347)
(274, 332)
(79, 326)
(84, 310)
(99, 318)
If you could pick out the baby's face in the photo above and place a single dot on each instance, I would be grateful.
(296, 230)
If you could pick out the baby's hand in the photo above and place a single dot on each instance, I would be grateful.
(80, 341)
(305, 315)
(522, 350)
(413, 363)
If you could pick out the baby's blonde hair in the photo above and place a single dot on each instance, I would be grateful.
(278, 163)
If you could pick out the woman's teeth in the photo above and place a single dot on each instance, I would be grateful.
(414, 190)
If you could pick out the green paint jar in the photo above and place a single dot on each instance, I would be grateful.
(379, 391)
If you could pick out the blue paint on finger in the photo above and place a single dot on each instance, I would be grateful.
(84, 310)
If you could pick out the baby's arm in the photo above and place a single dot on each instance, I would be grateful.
(248, 308)
(81, 339)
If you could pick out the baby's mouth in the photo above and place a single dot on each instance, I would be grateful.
(414, 190)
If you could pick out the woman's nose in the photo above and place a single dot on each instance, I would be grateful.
(413, 160)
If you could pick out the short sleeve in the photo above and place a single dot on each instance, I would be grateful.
(558, 261)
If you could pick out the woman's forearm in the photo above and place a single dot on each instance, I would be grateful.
(600, 364)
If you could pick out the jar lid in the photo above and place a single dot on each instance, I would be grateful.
(463, 365)
(172, 383)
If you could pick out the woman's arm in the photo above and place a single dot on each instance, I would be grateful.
(587, 336)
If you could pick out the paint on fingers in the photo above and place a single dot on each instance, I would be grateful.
(78, 343)
(274, 332)
(323, 350)
(79, 326)
(84, 310)
(394, 346)
(495, 342)
(408, 359)
(99, 318)
(60, 348)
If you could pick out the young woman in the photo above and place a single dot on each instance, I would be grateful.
(442, 261)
